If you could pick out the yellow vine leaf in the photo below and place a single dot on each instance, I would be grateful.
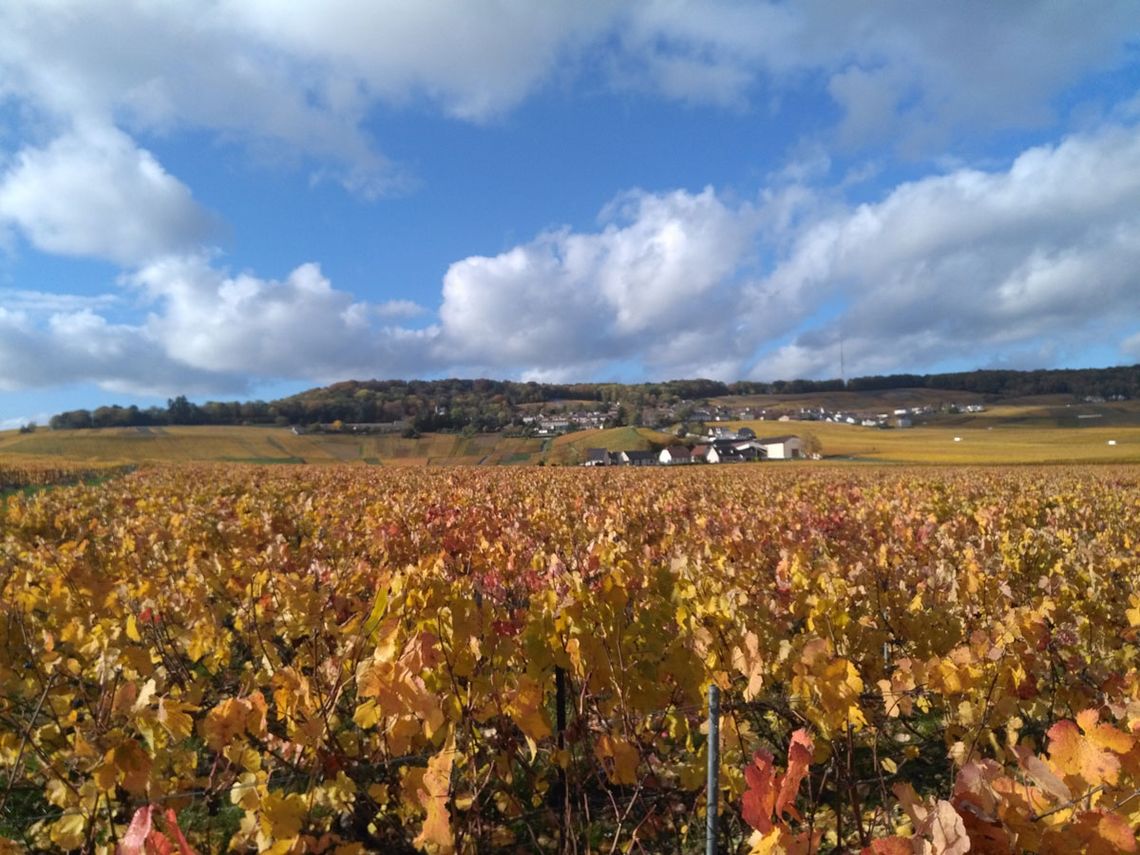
(1077, 755)
(233, 718)
(1104, 735)
(619, 757)
(69, 831)
(526, 708)
(747, 659)
(173, 716)
(436, 837)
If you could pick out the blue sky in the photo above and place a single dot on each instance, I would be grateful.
(245, 198)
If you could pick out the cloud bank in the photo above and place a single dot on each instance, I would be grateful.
(672, 283)
(306, 78)
(1021, 260)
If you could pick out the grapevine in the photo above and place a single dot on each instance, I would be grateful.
(346, 659)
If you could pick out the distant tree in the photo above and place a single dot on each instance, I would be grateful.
(180, 411)
(71, 420)
(812, 445)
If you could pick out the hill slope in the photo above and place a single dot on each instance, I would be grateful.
(1012, 435)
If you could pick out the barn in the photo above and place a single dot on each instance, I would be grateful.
(782, 447)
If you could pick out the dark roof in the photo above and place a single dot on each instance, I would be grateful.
(641, 455)
(596, 454)
(679, 451)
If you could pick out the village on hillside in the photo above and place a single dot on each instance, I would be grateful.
(721, 446)
(701, 413)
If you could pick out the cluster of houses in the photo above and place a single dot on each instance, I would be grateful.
(353, 427)
(723, 450)
(900, 417)
(547, 425)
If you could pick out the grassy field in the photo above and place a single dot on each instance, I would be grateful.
(264, 445)
(571, 448)
(968, 441)
(1041, 430)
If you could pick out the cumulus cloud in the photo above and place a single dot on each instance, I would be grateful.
(1023, 264)
(967, 262)
(208, 332)
(84, 347)
(309, 76)
(92, 192)
(474, 59)
(297, 327)
(655, 283)
(161, 68)
(897, 71)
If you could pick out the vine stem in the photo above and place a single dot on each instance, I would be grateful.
(24, 742)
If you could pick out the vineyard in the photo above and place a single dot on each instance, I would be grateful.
(18, 476)
(345, 660)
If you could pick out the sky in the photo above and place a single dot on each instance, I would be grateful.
(235, 199)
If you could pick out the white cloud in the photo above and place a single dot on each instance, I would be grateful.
(1023, 263)
(23, 301)
(399, 309)
(301, 326)
(163, 67)
(307, 75)
(656, 284)
(968, 262)
(1130, 347)
(653, 284)
(92, 192)
(868, 98)
(83, 347)
(475, 59)
(210, 332)
(20, 421)
(900, 72)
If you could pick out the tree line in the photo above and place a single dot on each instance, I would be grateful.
(490, 405)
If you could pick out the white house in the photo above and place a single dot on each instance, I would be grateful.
(782, 447)
(675, 454)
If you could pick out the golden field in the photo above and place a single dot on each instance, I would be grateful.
(980, 441)
(347, 659)
(1040, 430)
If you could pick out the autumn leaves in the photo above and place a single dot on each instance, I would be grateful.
(350, 659)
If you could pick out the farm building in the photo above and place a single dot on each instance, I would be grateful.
(782, 447)
(734, 451)
(639, 458)
(596, 457)
(675, 454)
